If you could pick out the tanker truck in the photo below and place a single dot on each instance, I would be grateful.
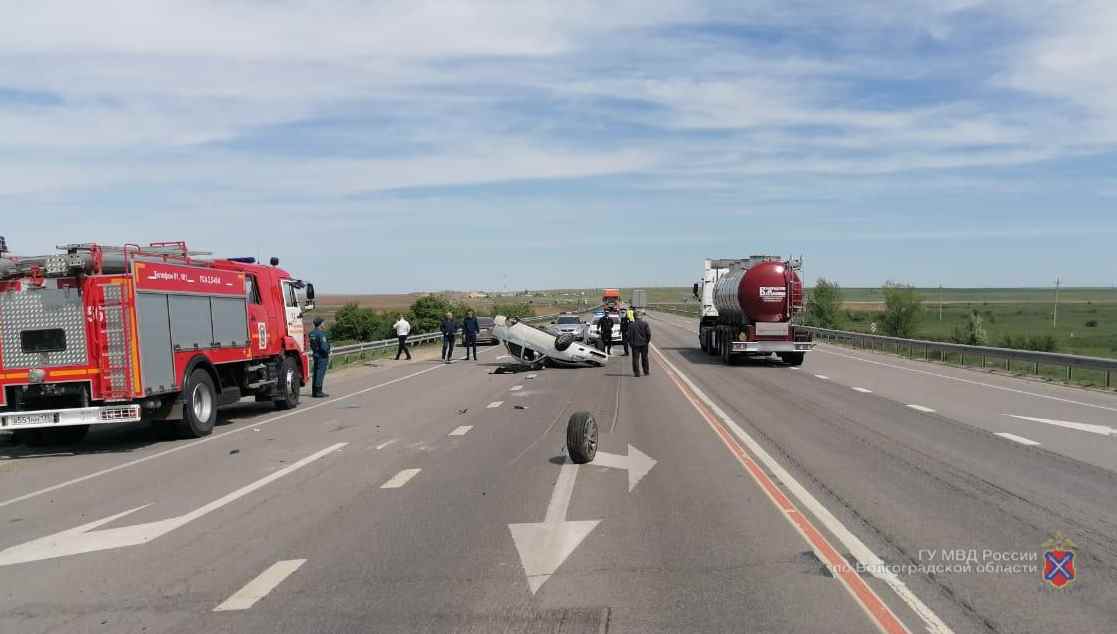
(748, 306)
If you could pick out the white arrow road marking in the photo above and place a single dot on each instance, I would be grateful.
(637, 463)
(544, 546)
(1093, 429)
(1020, 439)
(85, 539)
(259, 587)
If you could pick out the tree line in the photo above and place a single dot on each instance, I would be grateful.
(355, 323)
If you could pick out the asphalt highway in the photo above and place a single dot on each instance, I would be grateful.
(424, 497)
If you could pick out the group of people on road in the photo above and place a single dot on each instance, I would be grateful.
(636, 336)
(469, 327)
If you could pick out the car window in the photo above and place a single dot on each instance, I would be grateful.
(567, 320)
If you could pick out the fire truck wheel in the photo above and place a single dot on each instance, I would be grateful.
(792, 358)
(61, 436)
(199, 408)
(290, 384)
(581, 437)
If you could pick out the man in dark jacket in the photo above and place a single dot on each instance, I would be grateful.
(470, 328)
(320, 350)
(625, 324)
(639, 337)
(605, 329)
(449, 328)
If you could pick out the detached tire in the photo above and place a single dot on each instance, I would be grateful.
(581, 437)
(562, 342)
(199, 405)
(290, 384)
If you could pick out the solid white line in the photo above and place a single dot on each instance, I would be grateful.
(400, 479)
(259, 587)
(823, 377)
(961, 380)
(1101, 430)
(920, 408)
(386, 443)
(495, 404)
(560, 497)
(856, 547)
(1020, 439)
(862, 390)
(515, 388)
(461, 431)
(201, 441)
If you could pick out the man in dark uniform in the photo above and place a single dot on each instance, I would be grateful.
(320, 349)
(639, 337)
(449, 328)
(605, 329)
(625, 324)
(470, 329)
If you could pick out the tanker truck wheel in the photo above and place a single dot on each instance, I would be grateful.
(563, 341)
(792, 358)
(290, 384)
(199, 405)
(581, 437)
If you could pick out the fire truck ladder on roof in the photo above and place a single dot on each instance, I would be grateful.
(115, 356)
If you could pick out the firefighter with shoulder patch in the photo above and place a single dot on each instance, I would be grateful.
(320, 348)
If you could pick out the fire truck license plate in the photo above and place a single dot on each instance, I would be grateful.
(30, 419)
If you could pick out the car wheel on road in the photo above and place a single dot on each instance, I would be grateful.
(581, 437)
(290, 383)
(199, 405)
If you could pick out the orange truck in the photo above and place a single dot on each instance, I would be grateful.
(610, 297)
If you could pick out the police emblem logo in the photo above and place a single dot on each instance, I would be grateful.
(1059, 565)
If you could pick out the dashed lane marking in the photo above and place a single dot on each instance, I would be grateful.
(495, 404)
(1020, 439)
(863, 390)
(920, 408)
(400, 479)
(259, 587)
(515, 388)
(461, 431)
(386, 443)
(823, 377)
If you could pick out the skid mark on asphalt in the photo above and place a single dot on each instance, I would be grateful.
(259, 587)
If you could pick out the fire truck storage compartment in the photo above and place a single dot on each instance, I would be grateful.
(31, 319)
(170, 323)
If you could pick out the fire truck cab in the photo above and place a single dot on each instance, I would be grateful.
(97, 334)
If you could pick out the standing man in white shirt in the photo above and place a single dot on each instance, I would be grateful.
(403, 329)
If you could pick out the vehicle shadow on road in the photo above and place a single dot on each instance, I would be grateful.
(697, 357)
(128, 437)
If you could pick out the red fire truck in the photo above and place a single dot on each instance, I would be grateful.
(98, 334)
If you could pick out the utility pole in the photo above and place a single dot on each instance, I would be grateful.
(940, 302)
(1055, 313)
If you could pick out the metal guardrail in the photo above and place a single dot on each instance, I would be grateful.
(929, 350)
(414, 340)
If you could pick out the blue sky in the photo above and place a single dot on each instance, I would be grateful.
(398, 146)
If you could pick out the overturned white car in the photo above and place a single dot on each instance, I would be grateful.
(533, 347)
